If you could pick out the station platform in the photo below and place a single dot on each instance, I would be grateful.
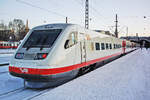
(126, 78)
(5, 56)
(4, 59)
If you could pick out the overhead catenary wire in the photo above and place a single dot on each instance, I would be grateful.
(47, 10)
(64, 16)
(99, 14)
(44, 9)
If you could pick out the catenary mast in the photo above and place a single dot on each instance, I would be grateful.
(87, 14)
(116, 26)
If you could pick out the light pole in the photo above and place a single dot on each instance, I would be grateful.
(10, 39)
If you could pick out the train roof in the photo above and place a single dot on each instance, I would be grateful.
(54, 25)
(92, 33)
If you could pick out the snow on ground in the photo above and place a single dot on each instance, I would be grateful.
(5, 58)
(4, 51)
(5, 55)
(9, 83)
(127, 78)
(3, 69)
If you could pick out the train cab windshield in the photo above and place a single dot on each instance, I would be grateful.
(42, 38)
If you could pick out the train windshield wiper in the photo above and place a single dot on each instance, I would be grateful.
(28, 47)
(44, 41)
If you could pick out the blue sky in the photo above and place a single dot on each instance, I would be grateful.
(102, 13)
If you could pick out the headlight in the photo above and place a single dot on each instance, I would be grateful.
(41, 55)
(19, 55)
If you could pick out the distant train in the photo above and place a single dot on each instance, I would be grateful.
(7, 45)
(54, 53)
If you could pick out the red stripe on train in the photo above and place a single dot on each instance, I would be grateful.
(52, 71)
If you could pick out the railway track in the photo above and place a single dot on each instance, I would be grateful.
(38, 94)
(1, 65)
(13, 91)
(4, 72)
(22, 93)
(3, 69)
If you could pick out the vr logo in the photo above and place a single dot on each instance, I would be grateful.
(24, 70)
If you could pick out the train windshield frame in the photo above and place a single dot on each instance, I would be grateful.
(42, 38)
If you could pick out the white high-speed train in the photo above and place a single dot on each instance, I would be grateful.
(57, 52)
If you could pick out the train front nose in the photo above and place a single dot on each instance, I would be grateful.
(30, 74)
(33, 77)
(38, 78)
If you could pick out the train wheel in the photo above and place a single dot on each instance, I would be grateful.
(92, 67)
(81, 71)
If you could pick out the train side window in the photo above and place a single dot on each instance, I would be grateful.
(66, 44)
(117, 46)
(114, 46)
(110, 46)
(107, 46)
(102, 46)
(97, 46)
(120, 45)
(72, 40)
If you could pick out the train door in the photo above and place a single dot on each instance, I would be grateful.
(82, 47)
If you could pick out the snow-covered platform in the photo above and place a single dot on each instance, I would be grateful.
(127, 78)
(5, 55)
(5, 58)
(7, 51)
